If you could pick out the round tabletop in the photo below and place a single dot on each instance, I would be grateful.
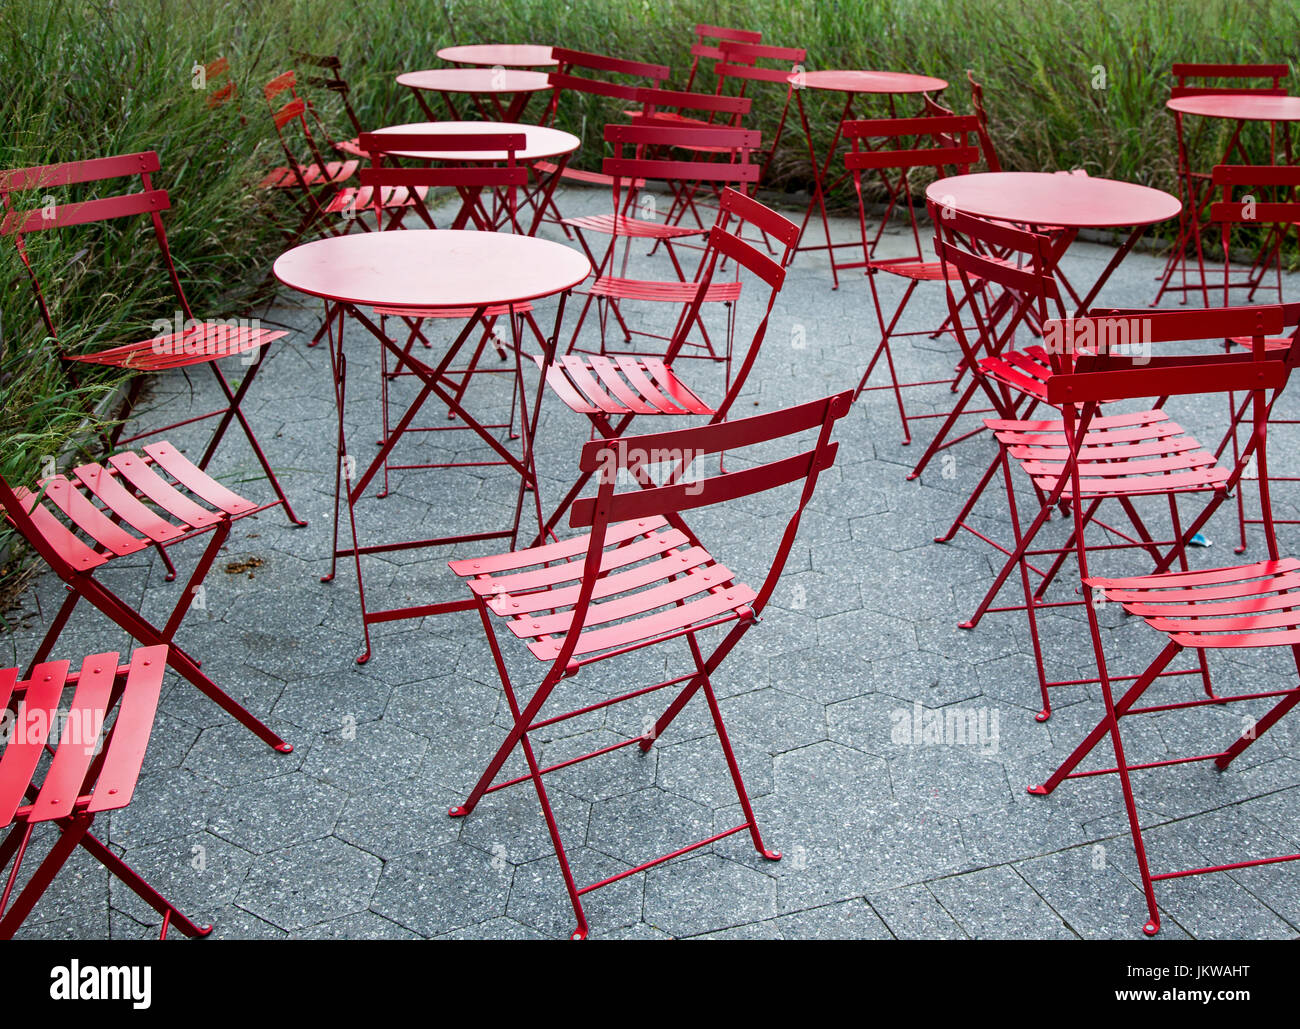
(508, 55)
(867, 81)
(475, 80)
(1045, 198)
(1239, 106)
(431, 268)
(539, 141)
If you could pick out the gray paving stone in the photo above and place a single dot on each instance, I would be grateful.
(311, 883)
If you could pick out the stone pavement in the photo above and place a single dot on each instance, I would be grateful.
(348, 836)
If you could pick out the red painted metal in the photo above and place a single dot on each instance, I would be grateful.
(1241, 93)
(892, 148)
(655, 582)
(653, 146)
(612, 390)
(1256, 195)
(707, 46)
(94, 767)
(331, 79)
(417, 271)
(1221, 610)
(497, 94)
(854, 85)
(192, 343)
(508, 55)
(80, 523)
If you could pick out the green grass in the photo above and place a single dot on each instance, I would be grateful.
(90, 78)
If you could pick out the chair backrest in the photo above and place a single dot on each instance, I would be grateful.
(660, 140)
(714, 108)
(941, 142)
(726, 244)
(982, 124)
(1249, 207)
(19, 222)
(706, 46)
(565, 78)
(331, 79)
(218, 92)
(1107, 369)
(976, 253)
(744, 64)
(1260, 79)
(679, 449)
(507, 173)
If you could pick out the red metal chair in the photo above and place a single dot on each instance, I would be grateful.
(611, 393)
(1124, 458)
(470, 181)
(640, 578)
(219, 93)
(1220, 610)
(1265, 195)
(192, 343)
(893, 148)
(319, 186)
(91, 770)
(565, 80)
(331, 79)
(741, 69)
(82, 522)
(707, 46)
(1195, 187)
(612, 287)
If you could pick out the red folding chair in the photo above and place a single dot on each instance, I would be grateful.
(742, 70)
(219, 92)
(611, 287)
(192, 343)
(640, 578)
(91, 769)
(469, 180)
(1127, 459)
(893, 148)
(566, 80)
(1194, 187)
(331, 79)
(707, 46)
(318, 185)
(82, 522)
(1220, 611)
(1256, 196)
(611, 393)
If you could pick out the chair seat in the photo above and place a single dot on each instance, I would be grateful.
(201, 342)
(922, 271)
(75, 782)
(1024, 370)
(667, 292)
(620, 384)
(1254, 605)
(1126, 455)
(103, 505)
(314, 174)
(578, 175)
(491, 311)
(635, 228)
(352, 146)
(356, 199)
(652, 583)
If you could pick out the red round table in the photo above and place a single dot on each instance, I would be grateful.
(542, 143)
(507, 55)
(1072, 202)
(415, 269)
(853, 84)
(1241, 108)
(491, 83)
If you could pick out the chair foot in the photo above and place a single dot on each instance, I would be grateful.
(1043, 715)
(1038, 791)
(459, 811)
(965, 625)
(284, 748)
(1152, 927)
(579, 933)
(771, 855)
